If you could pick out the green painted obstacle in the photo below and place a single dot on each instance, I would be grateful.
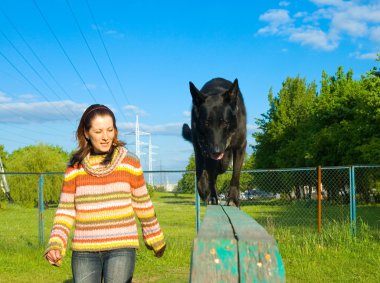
(233, 247)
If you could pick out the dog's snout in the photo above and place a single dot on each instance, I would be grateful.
(216, 149)
(217, 152)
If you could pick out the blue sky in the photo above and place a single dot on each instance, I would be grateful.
(58, 57)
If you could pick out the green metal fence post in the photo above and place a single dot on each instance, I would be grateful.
(319, 197)
(197, 206)
(41, 211)
(352, 201)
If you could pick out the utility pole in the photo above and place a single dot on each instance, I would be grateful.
(3, 183)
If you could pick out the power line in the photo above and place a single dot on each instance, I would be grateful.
(13, 141)
(36, 56)
(14, 112)
(34, 70)
(30, 83)
(63, 50)
(27, 138)
(108, 55)
(58, 133)
(93, 56)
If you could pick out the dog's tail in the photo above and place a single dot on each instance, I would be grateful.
(186, 133)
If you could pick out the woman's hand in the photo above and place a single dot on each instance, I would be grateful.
(160, 252)
(53, 257)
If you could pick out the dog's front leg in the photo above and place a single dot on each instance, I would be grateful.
(234, 192)
(203, 186)
(212, 186)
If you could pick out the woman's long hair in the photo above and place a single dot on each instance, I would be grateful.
(84, 144)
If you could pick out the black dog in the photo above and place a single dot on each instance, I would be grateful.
(218, 133)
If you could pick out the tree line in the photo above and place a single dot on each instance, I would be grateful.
(335, 125)
(40, 158)
(34, 159)
(338, 126)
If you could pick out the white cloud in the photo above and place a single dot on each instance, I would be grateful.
(251, 129)
(278, 19)
(90, 86)
(276, 16)
(343, 23)
(364, 56)
(369, 13)
(132, 110)
(114, 33)
(108, 32)
(375, 34)
(284, 4)
(314, 37)
(328, 25)
(27, 96)
(40, 112)
(187, 114)
(170, 129)
(164, 129)
(4, 97)
(328, 2)
(300, 15)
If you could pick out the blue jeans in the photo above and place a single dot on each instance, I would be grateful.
(113, 266)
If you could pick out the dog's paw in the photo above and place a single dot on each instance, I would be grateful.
(214, 201)
(233, 202)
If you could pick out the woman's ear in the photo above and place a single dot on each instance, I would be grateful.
(86, 136)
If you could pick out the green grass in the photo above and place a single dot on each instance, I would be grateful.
(333, 256)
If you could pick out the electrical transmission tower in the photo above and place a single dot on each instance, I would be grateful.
(139, 144)
(150, 159)
(3, 183)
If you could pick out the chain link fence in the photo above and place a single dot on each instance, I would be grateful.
(275, 198)
(289, 197)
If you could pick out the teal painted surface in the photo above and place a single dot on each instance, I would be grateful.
(214, 257)
(259, 257)
(233, 247)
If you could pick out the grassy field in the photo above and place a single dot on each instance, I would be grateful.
(333, 256)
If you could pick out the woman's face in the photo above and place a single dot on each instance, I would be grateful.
(101, 133)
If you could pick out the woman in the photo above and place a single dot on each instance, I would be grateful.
(102, 190)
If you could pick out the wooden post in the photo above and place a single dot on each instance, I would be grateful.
(319, 174)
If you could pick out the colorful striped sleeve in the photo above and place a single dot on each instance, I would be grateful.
(65, 214)
(143, 207)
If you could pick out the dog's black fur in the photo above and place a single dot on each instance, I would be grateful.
(218, 134)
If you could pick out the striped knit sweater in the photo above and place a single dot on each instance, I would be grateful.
(102, 201)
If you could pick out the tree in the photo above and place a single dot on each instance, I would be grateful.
(3, 156)
(36, 159)
(281, 143)
(187, 183)
(340, 126)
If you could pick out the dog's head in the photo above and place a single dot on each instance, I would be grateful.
(214, 116)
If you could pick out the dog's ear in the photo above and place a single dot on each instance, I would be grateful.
(198, 97)
(231, 95)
